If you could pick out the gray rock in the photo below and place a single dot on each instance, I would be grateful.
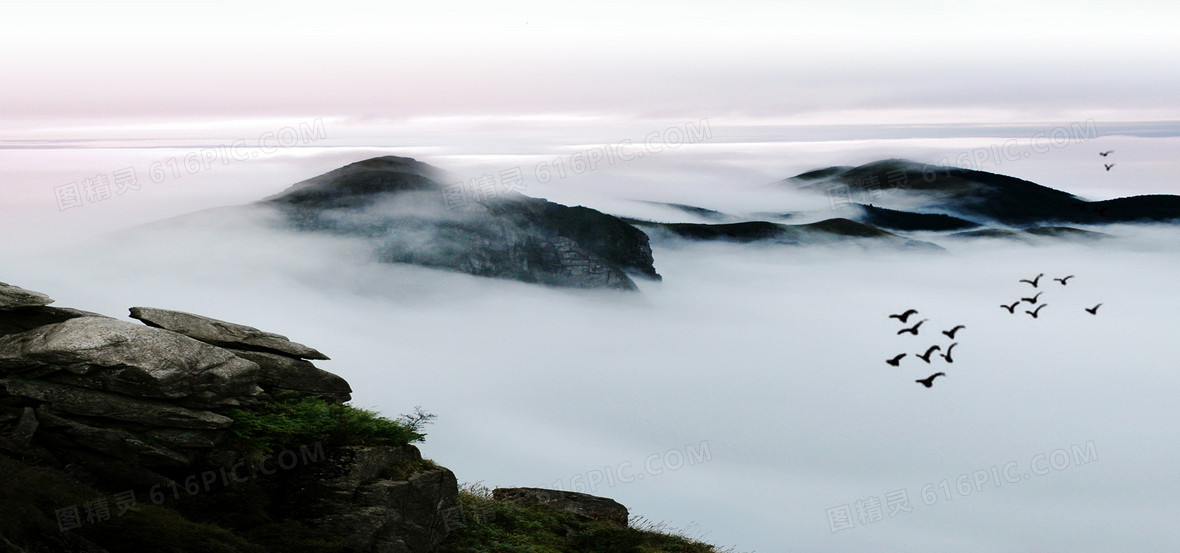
(26, 427)
(589, 507)
(21, 319)
(280, 373)
(96, 403)
(111, 441)
(222, 333)
(15, 296)
(131, 359)
(388, 516)
(183, 438)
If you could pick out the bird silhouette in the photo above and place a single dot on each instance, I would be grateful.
(904, 316)
(929, 380)
(947, 355)
(913, 329)
(1064, 281)
(1109, 165)
(1033, 300)
(951, 333)
(1093, 310)
(1106, 153)
(896, 360)
(1011, 308)
(1034, 282)
(1037, 311)
(926, 356)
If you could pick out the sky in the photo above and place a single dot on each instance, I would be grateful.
(761, 368)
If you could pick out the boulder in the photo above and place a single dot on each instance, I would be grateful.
(222, 333)
(139, 361)
(15, 296)
(375, 514)
(281, 373)
(586, 506)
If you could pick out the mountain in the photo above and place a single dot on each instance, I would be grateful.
(826, 231)
(401, 206)
(977, 196)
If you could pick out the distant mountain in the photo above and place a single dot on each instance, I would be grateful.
(398, 204)
(978, 196)
(830, 230)
(893, 219)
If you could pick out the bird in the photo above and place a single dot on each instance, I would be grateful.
(1011, 308)
(896, 360)
(929, 380)
(1108, 165)
(1033, 300)
(904, 316)
(926, 356)
(1064, 281)
(1093, 310)
(913, 329)
(1036, 311)
(947, 355)
(951, 333)
(1034, 281)
(1106, 153)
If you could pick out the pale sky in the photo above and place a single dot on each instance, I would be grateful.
(70, 64)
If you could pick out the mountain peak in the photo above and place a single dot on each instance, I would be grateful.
(344, 186)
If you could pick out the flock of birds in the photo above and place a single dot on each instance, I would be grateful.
(928, 355)
(1036, 299)
(1104, 154)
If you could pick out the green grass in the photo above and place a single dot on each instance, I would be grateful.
(486, 525)
(296, 419)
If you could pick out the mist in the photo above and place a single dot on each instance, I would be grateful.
(755, 370)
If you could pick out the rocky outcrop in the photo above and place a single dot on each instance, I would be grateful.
(120, 404)
(586, 506)
(222, 333)
(379, 514)
(126, 358)
(283, 364)
(15, 296)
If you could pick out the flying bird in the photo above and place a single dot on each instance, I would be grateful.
(1033, 300)
(913, 329)
(896, 360)
(1036, 311)
(947, 355)
(903, 317)
(1064, 281)
(1108, 165)
(1034, 282)
(951, 333)
(926, 356)
(1011, 308)
(929, 380)
(1093, 310)
(1106, 153)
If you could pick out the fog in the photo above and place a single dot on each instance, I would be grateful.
(756, 371)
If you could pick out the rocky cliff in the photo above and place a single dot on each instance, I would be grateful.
(147, 411)
(188, 434)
